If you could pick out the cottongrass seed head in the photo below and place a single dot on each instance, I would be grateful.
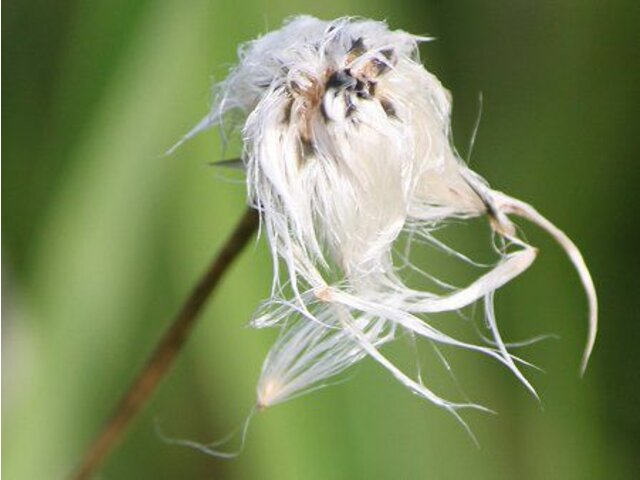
(347, 146)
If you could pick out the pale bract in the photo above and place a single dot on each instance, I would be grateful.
(347, 146)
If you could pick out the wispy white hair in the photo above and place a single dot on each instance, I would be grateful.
(346, 146)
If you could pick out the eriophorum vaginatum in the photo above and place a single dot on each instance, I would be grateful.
(346, 147)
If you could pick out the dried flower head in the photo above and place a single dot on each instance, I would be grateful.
(346, 146)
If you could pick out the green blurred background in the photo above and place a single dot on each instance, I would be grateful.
(103, 237)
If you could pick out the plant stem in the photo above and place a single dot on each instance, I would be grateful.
(167, 349)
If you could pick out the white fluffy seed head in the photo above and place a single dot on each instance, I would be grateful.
(346, 135)
(346, 145)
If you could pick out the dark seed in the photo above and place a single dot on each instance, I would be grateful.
(380, 66)
(388, 108)
(306, 150)
(338, 79)
(351, 108)
(295, 87)
(357, 47)
(287, 112)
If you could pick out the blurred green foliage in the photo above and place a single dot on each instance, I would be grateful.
(103, 236)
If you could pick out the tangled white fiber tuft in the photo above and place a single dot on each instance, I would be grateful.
(346, 146)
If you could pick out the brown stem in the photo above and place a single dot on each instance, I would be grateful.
(166, 351)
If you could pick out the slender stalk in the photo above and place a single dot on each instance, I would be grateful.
(166, 351)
